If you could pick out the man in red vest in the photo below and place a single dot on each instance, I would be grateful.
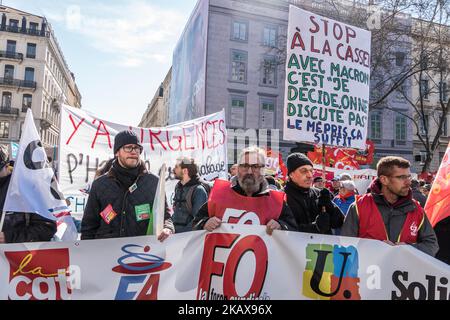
(389, 213)
(249, 201)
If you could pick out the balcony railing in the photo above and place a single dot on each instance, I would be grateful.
(11, 55)
(9, 110)
(18, 83)
(31, 32)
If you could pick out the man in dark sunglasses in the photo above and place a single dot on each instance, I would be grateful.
(120, 201)
(389, 213)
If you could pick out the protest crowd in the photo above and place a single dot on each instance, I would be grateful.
(120, 197)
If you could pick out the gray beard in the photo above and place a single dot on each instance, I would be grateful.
(249, 184)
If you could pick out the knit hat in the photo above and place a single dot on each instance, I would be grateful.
(317, 179)
(123, 138)
(296, 160)
(4, 156)
(348, 184)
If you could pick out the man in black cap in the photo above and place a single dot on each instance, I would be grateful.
(20, 227)
(120, 201)
(313, 209)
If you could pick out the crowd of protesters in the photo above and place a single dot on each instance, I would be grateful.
(122, 195)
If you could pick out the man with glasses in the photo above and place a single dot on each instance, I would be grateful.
(389, 213)
(313, 209)
(249, 201)
(120, 201)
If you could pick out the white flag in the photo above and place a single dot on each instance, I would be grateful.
(33, 187)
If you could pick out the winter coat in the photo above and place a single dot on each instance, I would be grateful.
(24, 227)
(394, 217)
(130, 207)
(304, 205)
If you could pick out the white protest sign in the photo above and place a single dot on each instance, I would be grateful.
(327, 81)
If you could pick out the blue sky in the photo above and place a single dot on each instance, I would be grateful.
(119, 50)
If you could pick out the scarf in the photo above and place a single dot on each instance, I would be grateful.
(126, 177)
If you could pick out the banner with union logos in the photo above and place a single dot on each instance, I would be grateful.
(233, 262)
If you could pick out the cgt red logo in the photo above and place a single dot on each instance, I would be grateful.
(218, 279)
(39, 275)
(141, 270)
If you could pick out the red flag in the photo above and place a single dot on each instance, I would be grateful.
(438, 203)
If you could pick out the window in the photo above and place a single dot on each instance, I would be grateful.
(31, 50)
(26, 102)
(424, 88)
(29, 74)
(443, 91)
(34, 28)
(375, 126)
(423, 127)
(6, 100)
(399, 58)
(14, 25)
(9, 72)
(423, 157)
(444, 127)
(11, 46)
(268, 72)
(400, 128)
(237, 111)
(239, 66)
(267, 112)
(270, 36)
(239, 31)
(20, 130)
(4, 129)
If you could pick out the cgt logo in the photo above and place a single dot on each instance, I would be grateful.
(331, 273)
(218, 280)
(139, 265)
(39, 275)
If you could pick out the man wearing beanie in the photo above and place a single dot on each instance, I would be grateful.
(120, 201)
(312, 208)
(20, 227)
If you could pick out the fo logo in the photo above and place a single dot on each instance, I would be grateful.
(141, 269)
(331, 273)
(39, 275)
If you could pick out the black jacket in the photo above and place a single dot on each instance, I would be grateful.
(286, 219)
(442, 229)
(107, 190)
(24, 227)
(304, 205)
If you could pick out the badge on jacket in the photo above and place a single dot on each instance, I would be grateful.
(108, 214)
(142, 212)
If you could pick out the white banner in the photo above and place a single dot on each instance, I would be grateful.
(233, 262)
(87, 142)
(33, 186)
(327, 81)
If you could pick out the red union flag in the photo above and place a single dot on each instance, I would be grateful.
(438, 203)
(38, 274)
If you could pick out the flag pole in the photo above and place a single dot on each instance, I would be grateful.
(323, 162)
(2, 221)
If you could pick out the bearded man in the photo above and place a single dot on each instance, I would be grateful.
(249, 201)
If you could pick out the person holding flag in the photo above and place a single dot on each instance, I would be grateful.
(389, 213)
(20, 226)
(120, 201)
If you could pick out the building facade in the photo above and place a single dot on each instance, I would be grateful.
(156, 114)
(431, 91)
(34, 75)
(245, 76)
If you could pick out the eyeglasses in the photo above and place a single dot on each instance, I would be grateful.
(403, 177)
(128, 149)
(254, 167)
